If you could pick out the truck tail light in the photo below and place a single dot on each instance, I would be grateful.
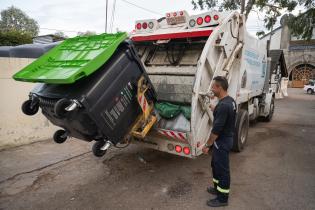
(216, 17)
(186, 150)
(207, 19)
(170, 147)
(181, 13)
(151, 25)
(178, 149)
(138, 26)
(192, 23)
(144, 25)
(199, 20)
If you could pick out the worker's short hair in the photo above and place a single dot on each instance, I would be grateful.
(222, 81)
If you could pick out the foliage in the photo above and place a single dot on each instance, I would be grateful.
(300, 26)
(14, 19)
(13, 38)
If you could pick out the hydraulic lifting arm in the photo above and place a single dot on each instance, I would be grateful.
(147, 119)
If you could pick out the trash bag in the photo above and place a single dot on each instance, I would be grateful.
(186, 110)
(167, 110)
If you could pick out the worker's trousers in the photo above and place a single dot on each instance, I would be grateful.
(221, 167)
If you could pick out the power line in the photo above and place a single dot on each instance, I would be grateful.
(140, 7)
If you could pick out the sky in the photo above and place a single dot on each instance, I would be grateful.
(73, 16)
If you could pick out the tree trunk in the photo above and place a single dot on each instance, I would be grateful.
(242, 6)
(249, 7)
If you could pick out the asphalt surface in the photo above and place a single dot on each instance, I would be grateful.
(275, 171)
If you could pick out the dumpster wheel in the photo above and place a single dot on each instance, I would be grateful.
(29, 108)
(96, 149)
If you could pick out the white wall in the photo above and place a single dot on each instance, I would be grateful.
(275, 39)
(15, 127)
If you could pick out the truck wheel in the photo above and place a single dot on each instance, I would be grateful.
(60, 136)
(241, 133)
(28, 109)
(60, 107)
(96, 149)
(310, 91)
(271, 111)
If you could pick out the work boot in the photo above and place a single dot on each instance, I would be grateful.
(216, 203)
(212, 190)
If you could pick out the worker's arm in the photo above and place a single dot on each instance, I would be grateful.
(218, 125)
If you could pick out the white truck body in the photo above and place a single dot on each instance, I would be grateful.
(181, 59)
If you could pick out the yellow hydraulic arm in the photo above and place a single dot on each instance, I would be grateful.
(147, 119)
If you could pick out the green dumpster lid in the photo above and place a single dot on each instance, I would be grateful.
(71, 60)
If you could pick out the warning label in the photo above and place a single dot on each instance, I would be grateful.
(117, 106)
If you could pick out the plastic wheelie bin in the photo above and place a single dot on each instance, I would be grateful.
(89, 101)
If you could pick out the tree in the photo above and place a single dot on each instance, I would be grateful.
(272, 9)
(13, 38)
(60, 35)
(14, 19)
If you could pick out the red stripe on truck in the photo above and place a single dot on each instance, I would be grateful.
(180, 35)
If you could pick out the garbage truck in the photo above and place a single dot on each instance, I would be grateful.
(154, 88)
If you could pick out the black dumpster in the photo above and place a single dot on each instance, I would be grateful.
(102, 106)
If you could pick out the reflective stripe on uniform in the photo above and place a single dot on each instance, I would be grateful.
(215, 180)
(223, 190)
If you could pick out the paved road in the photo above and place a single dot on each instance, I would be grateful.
(275, 171)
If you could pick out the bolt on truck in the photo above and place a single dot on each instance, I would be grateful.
(154, 88)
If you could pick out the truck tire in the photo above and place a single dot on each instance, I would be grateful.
(271, 111)
(310, 91)
(241, 130)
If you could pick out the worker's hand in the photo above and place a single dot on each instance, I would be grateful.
(205, 150)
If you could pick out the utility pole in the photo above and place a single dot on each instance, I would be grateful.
(106, 16)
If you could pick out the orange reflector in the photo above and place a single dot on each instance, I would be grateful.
(178, 148)
(186, 150)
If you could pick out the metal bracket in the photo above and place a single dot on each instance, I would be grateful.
(145, 121)
(75, 104)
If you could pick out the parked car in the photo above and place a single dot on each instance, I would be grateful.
(310, 88)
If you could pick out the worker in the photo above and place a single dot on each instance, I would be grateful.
(221, 141)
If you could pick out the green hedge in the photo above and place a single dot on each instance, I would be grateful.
(13, 38)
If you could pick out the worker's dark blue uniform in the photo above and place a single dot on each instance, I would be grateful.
(223, 126)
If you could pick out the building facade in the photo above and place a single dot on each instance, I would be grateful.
(299, 54)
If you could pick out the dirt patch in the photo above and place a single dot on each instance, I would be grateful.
(40, 180)
(180, 188)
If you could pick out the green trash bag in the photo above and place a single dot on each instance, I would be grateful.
(167, 110)
(186, 110)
